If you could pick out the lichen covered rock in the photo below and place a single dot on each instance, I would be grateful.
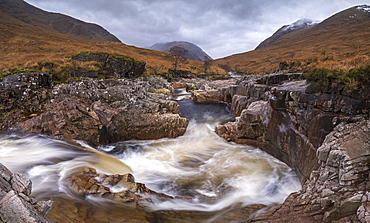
(96, 111)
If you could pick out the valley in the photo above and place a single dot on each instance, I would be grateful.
(94, 130)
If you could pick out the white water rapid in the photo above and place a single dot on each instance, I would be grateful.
(214, 173)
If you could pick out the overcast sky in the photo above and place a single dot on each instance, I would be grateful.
(220, 27)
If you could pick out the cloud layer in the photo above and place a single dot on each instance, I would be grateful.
(219, 27)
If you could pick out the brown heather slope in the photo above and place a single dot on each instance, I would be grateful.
(341, 41)
(22, 11)
(26, 45)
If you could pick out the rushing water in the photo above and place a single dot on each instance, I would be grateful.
(199, 164)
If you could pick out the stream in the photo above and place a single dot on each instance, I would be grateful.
(216, 174)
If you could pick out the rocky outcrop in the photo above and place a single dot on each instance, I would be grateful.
(117, 66)
(119, 188)
(207, 91)
(23, 96)
(338, 191)
(288, 117)
(96, 111)
(16, 205)
(321, 132)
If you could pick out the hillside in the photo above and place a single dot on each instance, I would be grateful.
(22, 11)
(298, 25)
(340, 41)
(30, 39)
(193, 52)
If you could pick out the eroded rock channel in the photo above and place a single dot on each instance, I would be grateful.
(322, 134)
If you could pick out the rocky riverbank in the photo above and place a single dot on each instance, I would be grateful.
(322, 133)
(95, 111)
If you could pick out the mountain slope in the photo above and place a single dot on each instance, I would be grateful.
(298, 25)
(193, 51)
(28, 42)
(12, 10)
(340, 41)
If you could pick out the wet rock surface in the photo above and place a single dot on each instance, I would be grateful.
(96, 111)
(131, 202)
(322, 133)
(118, 188)
(275, 114)
(16, 205)
(338, 191)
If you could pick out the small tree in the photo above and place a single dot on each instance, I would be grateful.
(178, 52)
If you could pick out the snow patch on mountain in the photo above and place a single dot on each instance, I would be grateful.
(364, 8)
(300, 24)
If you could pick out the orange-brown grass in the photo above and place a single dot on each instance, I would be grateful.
(27, 47)
(338, 42)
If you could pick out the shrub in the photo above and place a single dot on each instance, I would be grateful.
(352, 79)
(324, 76)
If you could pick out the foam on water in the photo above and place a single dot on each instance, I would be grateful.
(216, 174)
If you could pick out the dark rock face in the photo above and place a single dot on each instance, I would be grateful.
(96, 111)
(322, 133)
(23, 96)
(288, 117)
(16, 205)
(338, 191)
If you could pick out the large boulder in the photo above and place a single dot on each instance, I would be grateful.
(16, 205)
(117, 66)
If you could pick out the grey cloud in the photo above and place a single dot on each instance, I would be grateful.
(220, 27)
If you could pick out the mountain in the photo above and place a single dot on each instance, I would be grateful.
(193, 51)
(340, 41)
(298, 25)
(19, 11)
(35, 40)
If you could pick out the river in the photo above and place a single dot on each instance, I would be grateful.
(216, 174)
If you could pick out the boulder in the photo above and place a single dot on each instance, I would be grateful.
(117, 66)
(16, 205)
(119, 188)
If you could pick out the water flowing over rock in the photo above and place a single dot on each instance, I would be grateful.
(322, 133)
(288, 117)
(16, 205)
(119, 188)
(338, 191)
(96, 111)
